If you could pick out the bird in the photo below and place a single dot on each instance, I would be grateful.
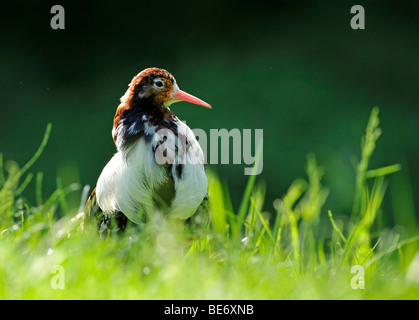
(158, 165)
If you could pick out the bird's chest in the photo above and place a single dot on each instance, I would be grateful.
(135, 174)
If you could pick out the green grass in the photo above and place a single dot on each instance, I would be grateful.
(301, 251)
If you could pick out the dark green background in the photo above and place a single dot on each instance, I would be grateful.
(295, 69)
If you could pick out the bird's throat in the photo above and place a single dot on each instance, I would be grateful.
(140, 118)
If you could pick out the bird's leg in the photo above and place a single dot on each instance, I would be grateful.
(121, 221)
(104, 221)
(111, 223)
(103, 224)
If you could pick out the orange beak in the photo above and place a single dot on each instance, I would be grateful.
(183, 96)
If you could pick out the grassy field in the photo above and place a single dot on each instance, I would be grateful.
(301, 251)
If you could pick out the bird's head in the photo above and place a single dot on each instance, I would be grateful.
(158, 88)
(150, 94)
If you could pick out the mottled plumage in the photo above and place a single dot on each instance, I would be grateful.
(135, 183)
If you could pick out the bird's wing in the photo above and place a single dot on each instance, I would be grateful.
(190, 180)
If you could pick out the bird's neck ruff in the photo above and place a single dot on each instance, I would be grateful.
(140, 117)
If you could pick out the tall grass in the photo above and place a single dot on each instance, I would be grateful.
(302, 250)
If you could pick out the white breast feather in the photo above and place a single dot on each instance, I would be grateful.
(127, 182)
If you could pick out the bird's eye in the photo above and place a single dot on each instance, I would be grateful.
(159, 84)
